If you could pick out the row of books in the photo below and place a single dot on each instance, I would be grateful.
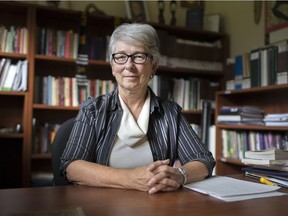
(236, 142)
(64, 91)
(64, 43)
(43, 136)
(13, 75)
(189, 49)
(189, 53)
(259, 67)
(13, 39)
(240, 115)
(60, 43)
(188, 93)
(270, 166)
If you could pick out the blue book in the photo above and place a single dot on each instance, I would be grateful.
(266, 172)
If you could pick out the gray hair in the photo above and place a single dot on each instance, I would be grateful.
(143, 33)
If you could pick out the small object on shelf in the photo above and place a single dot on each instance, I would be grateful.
(53, 3)
(161, 7)
(173, 8)
(194, 18)
(211, 22)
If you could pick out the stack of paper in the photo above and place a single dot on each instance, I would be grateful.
(274, 158)
(231, 189)
(240, 115)
(276, 119)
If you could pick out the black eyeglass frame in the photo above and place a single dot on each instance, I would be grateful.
(131, 56)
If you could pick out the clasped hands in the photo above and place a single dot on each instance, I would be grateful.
(157, 176)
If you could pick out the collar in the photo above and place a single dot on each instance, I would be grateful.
(154, 105)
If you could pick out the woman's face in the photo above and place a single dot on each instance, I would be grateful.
(131, 76)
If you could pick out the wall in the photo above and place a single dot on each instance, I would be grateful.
(237, 16)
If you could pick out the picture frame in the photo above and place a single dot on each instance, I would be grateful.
(212, 22)
(276, 24)
(137, 10)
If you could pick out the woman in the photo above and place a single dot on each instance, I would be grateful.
(130, 138)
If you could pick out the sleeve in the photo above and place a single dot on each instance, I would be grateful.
(191, 148)
(81, 143)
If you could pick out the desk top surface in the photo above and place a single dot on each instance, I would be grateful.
(106, 201)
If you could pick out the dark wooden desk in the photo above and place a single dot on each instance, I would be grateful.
(104, 202)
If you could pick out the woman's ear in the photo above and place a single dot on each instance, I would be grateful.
(154, 69)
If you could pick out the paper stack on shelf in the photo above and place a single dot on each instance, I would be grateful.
(276, 119)
(274, 159)
(240, 115)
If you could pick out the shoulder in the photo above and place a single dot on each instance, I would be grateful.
(164, 105)
(107, 101)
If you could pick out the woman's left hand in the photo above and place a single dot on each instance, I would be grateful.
(166, 178)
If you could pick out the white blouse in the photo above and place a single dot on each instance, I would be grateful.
(131, 147)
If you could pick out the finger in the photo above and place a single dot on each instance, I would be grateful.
(164, 186)
(156, 164)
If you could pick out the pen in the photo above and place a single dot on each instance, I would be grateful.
(267, 182)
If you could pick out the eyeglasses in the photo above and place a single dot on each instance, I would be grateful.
(137, 58)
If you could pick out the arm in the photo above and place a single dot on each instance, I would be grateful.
(92, 174)
(195, 158)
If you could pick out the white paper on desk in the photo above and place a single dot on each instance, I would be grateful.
(230, 189)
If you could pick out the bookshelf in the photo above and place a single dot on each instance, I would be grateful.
(14, 159)
(271, 99)
(27, 107)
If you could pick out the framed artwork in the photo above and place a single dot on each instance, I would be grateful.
(211, 22)
(137, 10)
(276, 21)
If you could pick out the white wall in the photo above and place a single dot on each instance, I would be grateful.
(238, 18)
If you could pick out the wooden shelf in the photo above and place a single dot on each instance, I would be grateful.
(49, 107)
(252, 127)
(13, 93)
(271, 99)
(12, 55)
(41, 156)
(12, 136)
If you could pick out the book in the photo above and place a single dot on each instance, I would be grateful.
(283, 168)
(255, 65)
(238, 70)
(252, 161)
(279, 181)
(276, 123)
(239, 118)
(4, 72)
(276, 117)
(271, 173)
(239, 109)
(194, 18)
(269, 154)
(282, 64)
(10, 77)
